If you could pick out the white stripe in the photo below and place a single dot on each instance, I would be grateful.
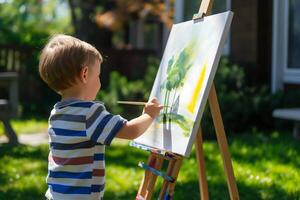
(70, 168)
(66, 139)
(58, 196)
(73, 153)
(53, 111)
(98, 180)
(99, 164)
(108, 128)
(71, 111)
(100, 148)
(76, 126)
(96, 196)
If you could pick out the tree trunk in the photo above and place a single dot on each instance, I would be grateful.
(10, 133)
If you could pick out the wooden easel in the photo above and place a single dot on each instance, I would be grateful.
(156, 158)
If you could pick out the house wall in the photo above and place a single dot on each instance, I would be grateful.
(251, 36)
(244, 31)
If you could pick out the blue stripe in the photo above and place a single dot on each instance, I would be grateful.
(94, 116)
(68, 117)
(66, 132)
(82, 104)
(72, 175)
(65, 189)
(97, 188)
(100, 127)
(80, 145)
(114, 131)
(99, 156)
(74, 103)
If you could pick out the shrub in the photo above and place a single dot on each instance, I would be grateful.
(243, 107)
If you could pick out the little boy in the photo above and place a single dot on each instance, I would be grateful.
(79, 128)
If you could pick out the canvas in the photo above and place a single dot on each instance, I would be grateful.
(183, 82)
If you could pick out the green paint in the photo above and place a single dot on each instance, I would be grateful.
(177, 69)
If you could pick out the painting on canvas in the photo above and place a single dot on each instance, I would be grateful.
(183, 81)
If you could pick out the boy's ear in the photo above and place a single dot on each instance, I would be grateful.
(84, 74)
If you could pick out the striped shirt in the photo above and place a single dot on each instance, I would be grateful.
(78, 133)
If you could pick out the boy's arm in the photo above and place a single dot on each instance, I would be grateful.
(136, 127)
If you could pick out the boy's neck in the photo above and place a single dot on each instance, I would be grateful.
(73, 92)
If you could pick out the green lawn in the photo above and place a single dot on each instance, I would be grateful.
(27, 126)
(267, 166)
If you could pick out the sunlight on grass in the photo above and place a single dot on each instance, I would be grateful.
(123, 180)
(27, 126)
(266, 167)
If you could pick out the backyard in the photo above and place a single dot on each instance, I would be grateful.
(131, 36)
(266, 166)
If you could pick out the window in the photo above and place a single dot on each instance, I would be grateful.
(294, 35)
(286, 43)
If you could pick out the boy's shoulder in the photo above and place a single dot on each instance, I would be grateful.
(78, 107)
(78, 104)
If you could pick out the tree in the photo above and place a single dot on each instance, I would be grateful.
(96, 21)
(29, 22)
(126, 10)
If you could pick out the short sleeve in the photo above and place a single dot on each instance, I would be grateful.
(103, 126)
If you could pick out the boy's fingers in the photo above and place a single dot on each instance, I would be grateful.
(155, 105)
(153, 100)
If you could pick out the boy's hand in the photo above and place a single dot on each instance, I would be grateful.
(153, 107)
(137, 126)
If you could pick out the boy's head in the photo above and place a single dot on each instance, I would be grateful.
(65, 61)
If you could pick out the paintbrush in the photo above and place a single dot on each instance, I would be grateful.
(135, 103)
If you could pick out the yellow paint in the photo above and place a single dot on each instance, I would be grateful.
(191, 105)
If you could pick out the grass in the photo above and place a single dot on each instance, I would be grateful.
(266, 167)
(27, 126)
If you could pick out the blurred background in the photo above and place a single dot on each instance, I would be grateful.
(257, 82)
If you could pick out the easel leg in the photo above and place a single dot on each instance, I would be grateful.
(223, 144)
(203, 188)
(166, 183)
(148, 183)
(153, 177)
(144, 184)
(170, 191)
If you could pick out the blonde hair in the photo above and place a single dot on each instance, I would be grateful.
(62, 59)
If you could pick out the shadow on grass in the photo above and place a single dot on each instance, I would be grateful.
(279, 149)
(125, 156)
(28, 193)
(245, 149)
(22, 172)
(217, 191)
(24, 151)
(188, 187)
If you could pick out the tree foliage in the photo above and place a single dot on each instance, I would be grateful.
(125, 10)
(28, 22)
(96, 21)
